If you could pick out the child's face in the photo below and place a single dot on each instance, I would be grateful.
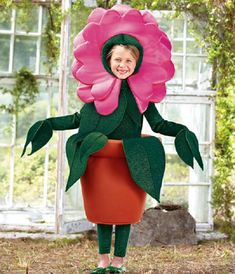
(122, 62)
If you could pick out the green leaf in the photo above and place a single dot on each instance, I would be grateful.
(146, 161)
(39, 134)
(79, 151)
(187, 147)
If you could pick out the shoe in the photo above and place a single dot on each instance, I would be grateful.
(113, 269)
(99, 270)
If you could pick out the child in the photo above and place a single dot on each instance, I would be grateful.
(122, 61)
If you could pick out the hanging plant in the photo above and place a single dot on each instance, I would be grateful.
(23, 93)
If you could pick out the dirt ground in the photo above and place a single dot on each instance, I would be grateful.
(80, 256)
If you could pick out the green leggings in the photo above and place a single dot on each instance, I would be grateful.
(122, 233)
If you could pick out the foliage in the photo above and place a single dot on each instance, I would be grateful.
(51, 40)
(23, 93)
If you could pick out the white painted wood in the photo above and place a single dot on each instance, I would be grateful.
(63, 83)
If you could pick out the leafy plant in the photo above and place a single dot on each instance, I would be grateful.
(23, 93)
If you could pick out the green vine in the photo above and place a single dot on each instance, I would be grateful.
(23, 93)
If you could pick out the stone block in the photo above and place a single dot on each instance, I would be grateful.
(164, 225)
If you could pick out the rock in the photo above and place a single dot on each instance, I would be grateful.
(165, 225)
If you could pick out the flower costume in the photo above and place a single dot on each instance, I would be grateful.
(112, 117)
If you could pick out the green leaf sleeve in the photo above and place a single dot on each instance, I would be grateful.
(186, 142)
(41, 132)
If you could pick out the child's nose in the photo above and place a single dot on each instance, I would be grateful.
(122, 64)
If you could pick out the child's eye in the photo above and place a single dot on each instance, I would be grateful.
(118, 59)
(129, 61)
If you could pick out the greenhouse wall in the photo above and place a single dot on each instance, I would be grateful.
(28, 194)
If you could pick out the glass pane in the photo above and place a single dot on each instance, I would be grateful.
(74, 103)
(29, 175)
(44, 59)
(178, 25)
(4, 175)
(6, 128)
(205, 75)
(198, 121)
(197, 73)
(178, 62)
(74, 209)
(51, 184)
(25, 53)
(192, 47)
(5, 21)
(177, 46)
(166, 25)
(27, 22)
(4, 52)
(175, 195)
(192, 71)
(176, 170)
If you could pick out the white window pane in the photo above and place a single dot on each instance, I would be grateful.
(198, 73)
(175, 195)
(176, 170)
(74, 209)
(6, 128)
(178, 26)
(4, 52)
(177, 46)
(192, 47)
(165, 25)
(25, 53)
(31, 22)
(195, 116)
(5, 21)
(177, 79)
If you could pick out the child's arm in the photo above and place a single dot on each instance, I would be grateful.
(186, 142)
(41, 132)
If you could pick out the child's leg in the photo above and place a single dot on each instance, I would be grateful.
(104, 240)
(122, 233)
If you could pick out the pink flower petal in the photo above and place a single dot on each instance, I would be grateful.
(141, 89)
(110, 103)
(133, 16)
(148, 17)
(75, 67)
(110, 17)
(121, 9)
(142, 105)
(102, 89)
(96, 15)
(84, 93)
(78, 39)
(93, 33)
(89, 75)
(165, 41)
(86, 53)
(159, 92)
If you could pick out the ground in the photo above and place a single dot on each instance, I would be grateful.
(80, 255)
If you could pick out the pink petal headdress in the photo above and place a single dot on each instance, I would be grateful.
(96, 84)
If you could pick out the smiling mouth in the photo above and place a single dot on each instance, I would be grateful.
(122, 71)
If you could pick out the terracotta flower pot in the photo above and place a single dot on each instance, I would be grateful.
(110, 195)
